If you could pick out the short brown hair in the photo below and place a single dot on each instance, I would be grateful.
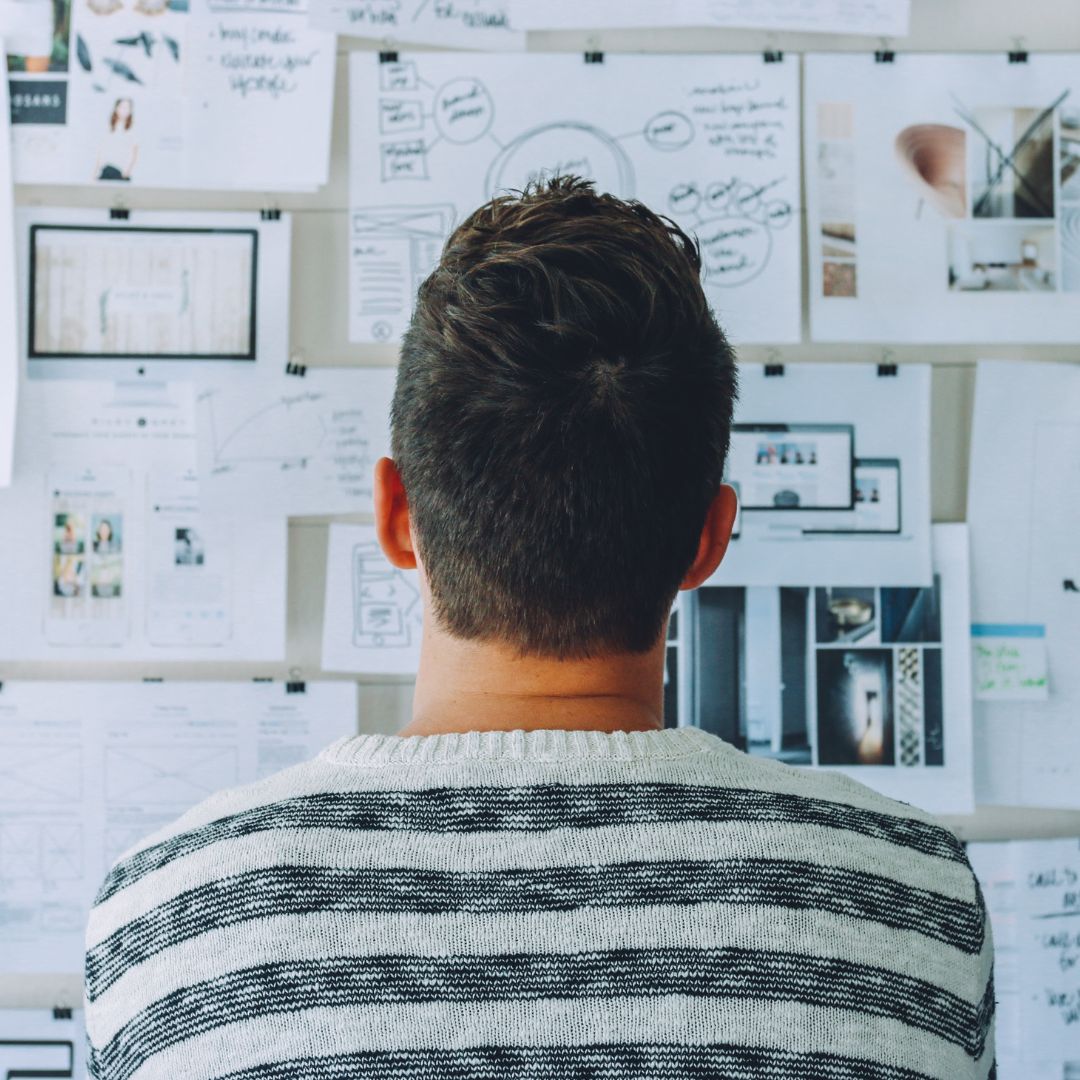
(561, 419)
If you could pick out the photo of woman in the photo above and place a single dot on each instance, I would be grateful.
(120, 148)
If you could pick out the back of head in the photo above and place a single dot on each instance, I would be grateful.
(561, 420)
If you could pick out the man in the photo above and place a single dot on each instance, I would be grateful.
(538, 880)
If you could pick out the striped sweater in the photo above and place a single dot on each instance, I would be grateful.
(547, 904)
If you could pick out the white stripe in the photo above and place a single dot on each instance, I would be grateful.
(674, 1019)
(708, 925)
(727, 768)
(694, 840)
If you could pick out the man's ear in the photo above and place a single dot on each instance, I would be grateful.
(715, 534)
(392, 516)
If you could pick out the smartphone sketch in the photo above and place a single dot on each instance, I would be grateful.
(189, 567)
(86, 593)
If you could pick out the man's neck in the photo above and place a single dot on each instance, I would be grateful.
(479, 686)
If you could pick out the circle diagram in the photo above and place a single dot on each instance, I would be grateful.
(669, 131)
(562, 149)
(464, 111)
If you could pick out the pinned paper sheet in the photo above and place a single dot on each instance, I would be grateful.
(42, 1042)
(1010, 662)
(9, 346)
(1032, 893)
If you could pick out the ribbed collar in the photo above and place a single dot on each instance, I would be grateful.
(519, 745)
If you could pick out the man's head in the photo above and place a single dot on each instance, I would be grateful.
(561, 420)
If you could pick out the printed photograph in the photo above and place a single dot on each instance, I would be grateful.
(845, 615)
(189, 549)
(1070, 155)
(106, 576)
(1002, 256)
(1011, 162)
(855, 707)
(69, 533)
(838, 279)
(911, 615)
(107, 532)
(41, 42)
(69, 576)
(867, 489)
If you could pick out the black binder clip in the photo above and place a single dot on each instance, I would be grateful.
(774, 371)
(884, 56)
(119, 213)
(1018, 56)
(1068, 585)
(61, 1012)
(270, 215)
(594, 58)
(773, 56)
(293, 368)
(388, 56)
(887, 370)
(296, 687)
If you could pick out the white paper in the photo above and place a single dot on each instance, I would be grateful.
(373, 616)
(870, 681)
(87, 769)
(287, 445)
(463, 24)
(39, 1042)
(107, 553)
(163, 93)
(878, 17)
(162, 294)
(1024, 512)
(1032, 892)
(1010, 662)
(263, 91)
(794, 435)
(943, 198)
(709, 140)
(9, 325)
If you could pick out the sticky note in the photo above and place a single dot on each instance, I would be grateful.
(1010, 662)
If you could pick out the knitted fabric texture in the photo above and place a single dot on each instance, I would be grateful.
(546, 904)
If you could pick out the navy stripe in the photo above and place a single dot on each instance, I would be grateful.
(535, 809)
(606, 1062)
(337, 982)
(302, 890)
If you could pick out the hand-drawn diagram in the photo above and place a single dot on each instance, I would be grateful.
(308, 445)
(40, 773)
(712, 142)
(386, 605)
(168, 773)
(41, 850)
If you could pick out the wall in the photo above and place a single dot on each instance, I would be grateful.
(318, 309)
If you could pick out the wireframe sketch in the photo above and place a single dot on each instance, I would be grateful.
(710, 142)
(386, 604)
(168, 773)
(40, 773)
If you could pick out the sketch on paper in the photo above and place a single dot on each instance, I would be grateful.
(385, 602)
(959, 167)
(165, 773)
(45, 772)
(715, 149)
(294, 446)
(373, 613)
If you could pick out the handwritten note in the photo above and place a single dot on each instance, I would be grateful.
(1032, 892)
(465, 24)
(263, 91)
(1010, 662)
